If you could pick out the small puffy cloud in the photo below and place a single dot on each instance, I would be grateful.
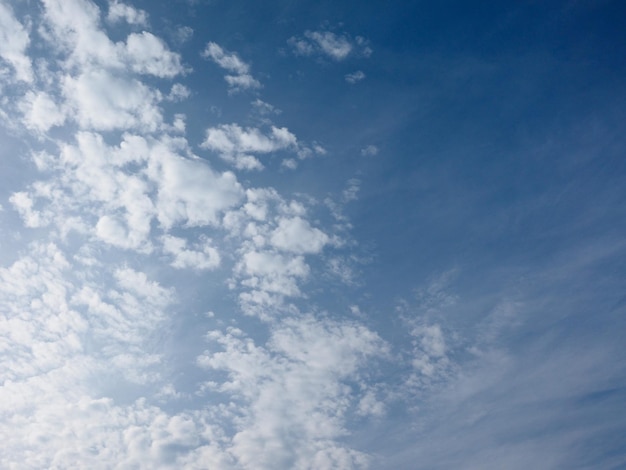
(239, 77)
(202, 257)
(183, 34)
(350, 193)
(24, 204)
(14, 41)
(263, 108)
(273, 273)
(290, 163)
(355, 77)
(369, 151)
(179, 92)
(296, 235)
(237, 145)
(326, 43)
(242, 82)
(121, 12)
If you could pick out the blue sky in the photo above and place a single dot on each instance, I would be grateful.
(312, 235)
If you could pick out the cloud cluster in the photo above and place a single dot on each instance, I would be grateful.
(306, 363)
(85, 371)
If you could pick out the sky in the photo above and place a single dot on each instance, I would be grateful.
(312, 235)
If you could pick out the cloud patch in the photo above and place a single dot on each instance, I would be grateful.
(337, 47)
(239, 78)
(237, 145)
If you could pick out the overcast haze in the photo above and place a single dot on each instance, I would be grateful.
(312, 235)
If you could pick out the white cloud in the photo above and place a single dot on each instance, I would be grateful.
(240, 78)
(355, 77)
(338, 47)
(294, 391)
(204, 256)
(75, 25)
(236, 145)
(179, 92)
(189, 191)
(296, 235)
(122, 12)
(41, 112)
(14, 41)
(102, 101)
(272, 272)
(147, 54)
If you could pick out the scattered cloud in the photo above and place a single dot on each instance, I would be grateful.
(355, 77)
(239, 79)
(158, 311)
(122, 12)
(204, 256)
(14, 41)
(296, 235)
(238, 145)
(326, 43)
(369, 151)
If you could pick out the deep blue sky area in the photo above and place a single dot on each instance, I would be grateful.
(312, 235)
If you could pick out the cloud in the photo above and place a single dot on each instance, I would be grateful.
(102, 101)
(190, 191)
(296, 235)
(75, 25)
(369, 151)
(204, 256)
(235, 144)
(307, 363)
(14, 41)
(240, 78)
(41, 112)
(147, 54)
(355, 77)
(179, 92)
(338, 47)
(122, 12)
